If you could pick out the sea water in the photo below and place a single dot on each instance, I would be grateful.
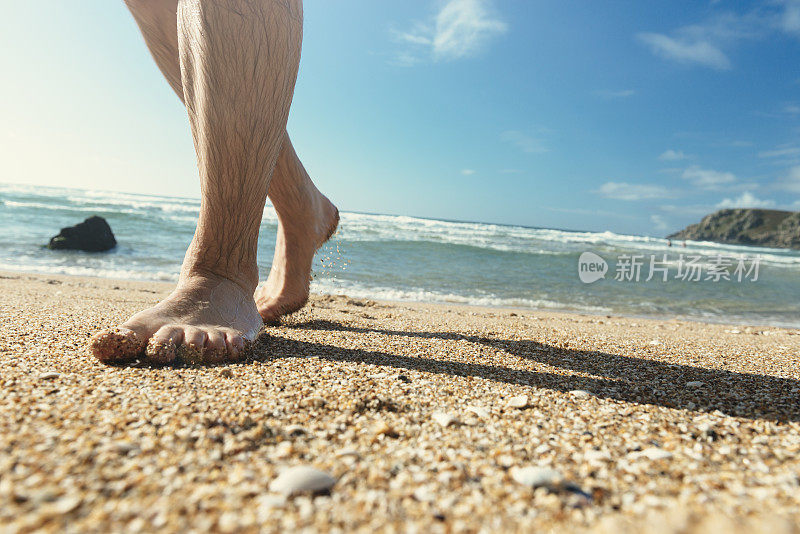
(414, 259)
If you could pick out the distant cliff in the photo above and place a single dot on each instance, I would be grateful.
(767, 228)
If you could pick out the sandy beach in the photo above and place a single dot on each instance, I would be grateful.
(430, 418)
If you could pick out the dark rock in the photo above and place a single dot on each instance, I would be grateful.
(766, 228)
(92, 235)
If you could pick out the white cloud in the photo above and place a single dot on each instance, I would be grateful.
(738, 143)
(746, 200)
(791, 109)
(780, 152)
(659, 222)
(672, 155)
(686, 50)
(526, 143)
(405, 60)
(791, 182)
(626, 191)
(707, 178)
(461, 29)
(790, 21)
(415, 36)
(707, 44)
(467, 172)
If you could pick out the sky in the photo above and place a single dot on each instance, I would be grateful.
(628, 116)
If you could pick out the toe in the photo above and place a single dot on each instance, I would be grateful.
(234, 344)
(116, 345)
(269, 311)
(194, 337)
(234, 340)
(215, 350)
(163, 345)
(215, 340)
(194, 340)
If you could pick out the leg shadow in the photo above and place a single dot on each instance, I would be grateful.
(624, 378)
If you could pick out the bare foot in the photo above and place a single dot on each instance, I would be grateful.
(207, 319)
(300, 235)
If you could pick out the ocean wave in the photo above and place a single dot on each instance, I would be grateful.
(332, 287)
(138, 205)
(153, 231)
(359, 227)
(118, 273)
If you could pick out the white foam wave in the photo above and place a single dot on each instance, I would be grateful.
(332, 287)
(357, 227)
(80, 270)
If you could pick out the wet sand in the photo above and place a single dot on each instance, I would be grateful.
(426, 416)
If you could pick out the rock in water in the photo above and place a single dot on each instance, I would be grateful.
(302, 479)
(92, 235)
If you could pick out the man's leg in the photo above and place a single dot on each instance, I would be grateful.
(239, 62)
(306, 218)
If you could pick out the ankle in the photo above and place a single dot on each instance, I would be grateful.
(195, 273)
(205, 259)
(198, 277)
(302, 197)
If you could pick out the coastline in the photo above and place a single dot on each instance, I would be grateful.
(686, 423)
(441, 261)
(166, 286)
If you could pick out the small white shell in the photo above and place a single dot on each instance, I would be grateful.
(444, 419)
(302, 479)
(537, 477)
(520, 401)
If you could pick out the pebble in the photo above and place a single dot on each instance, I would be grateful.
(444, 419)
(706, 429)
(268, 502)
(302, 479)
(313, 402)
(228, 522)
(284, 449)
(226, 373)
(424, 494)
(580, 393)
(382, 428)
(66, 505)
(651, 453)
(537, 477)
(520, 401)
(594, 456)
(695, 384)
(481, 412)
(124, 447)
(49, 375)
(296, 430)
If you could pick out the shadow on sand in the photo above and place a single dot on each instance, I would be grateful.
(624, 378)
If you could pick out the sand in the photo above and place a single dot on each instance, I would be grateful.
(429, 418)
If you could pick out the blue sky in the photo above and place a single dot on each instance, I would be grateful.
(629, 116)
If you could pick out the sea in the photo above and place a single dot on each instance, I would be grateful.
(401, 258)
